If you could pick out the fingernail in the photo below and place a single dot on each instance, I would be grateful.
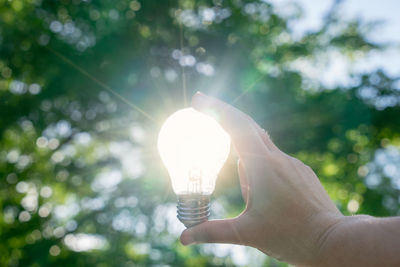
(198, 100)
(199, 93)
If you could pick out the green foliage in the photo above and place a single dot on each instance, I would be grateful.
(78, 162)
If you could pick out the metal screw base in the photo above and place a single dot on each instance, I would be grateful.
(193, 209)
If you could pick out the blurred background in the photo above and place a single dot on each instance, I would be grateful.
(85, 86)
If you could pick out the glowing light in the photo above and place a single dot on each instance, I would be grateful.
(193, 147)
(353, 206)
(54, 250)
(85, 242)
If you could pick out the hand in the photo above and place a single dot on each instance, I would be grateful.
(288, 213)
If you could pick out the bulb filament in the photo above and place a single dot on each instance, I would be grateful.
(195, 181)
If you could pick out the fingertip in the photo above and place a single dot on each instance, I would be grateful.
(199, 100)
(199, 93)
(186, 238)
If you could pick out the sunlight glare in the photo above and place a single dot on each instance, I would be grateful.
(193, 147)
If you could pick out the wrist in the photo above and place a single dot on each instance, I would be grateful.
(335, 233)
(321, 229)
(313, 237)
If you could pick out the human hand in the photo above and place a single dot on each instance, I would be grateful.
(288, 213)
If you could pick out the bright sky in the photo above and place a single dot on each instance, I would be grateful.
(385, 11)
(373, 10)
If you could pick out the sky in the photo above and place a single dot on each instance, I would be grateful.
(388, 32)
(373, 10)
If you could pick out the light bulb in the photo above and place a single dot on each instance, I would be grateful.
(193, 147)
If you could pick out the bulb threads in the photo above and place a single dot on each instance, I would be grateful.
(193, 209)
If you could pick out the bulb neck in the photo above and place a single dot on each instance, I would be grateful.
(193, 209)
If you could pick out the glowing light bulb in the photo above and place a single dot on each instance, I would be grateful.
(193, 147)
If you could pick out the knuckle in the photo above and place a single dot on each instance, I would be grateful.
(308, 168)
(203, 235)
(296, 161)
(278, 161)
(300, 163)
(207, 237)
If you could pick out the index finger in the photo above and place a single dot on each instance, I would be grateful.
(242, 131)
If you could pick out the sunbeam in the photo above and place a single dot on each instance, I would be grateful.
(182, 66)
(247, 90)
(100, 83)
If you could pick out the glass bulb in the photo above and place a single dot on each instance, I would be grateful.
(193, 147)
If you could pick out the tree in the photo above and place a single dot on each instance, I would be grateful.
(84, 87)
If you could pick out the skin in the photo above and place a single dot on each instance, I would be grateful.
(288, 213)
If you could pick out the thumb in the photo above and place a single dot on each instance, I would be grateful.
(216, 231)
